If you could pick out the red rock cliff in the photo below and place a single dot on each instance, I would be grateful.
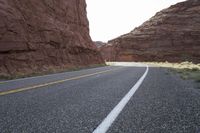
(171, 35)
(38, 35)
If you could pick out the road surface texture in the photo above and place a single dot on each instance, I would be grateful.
(78, 102)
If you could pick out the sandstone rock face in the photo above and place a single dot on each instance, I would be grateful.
(99, 43)
(38, 35)
(171, 35)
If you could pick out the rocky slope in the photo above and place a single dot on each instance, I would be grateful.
(39, 35)
(171, 35)
(99, 43)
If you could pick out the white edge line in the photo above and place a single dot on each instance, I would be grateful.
(107, 122)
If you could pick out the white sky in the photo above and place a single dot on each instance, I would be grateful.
(111, 18)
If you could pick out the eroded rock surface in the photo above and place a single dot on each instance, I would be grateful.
(38, 35)
(99, 43)
(171, 35)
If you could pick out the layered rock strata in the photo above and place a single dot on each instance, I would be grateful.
(171, 35)
(39, 35)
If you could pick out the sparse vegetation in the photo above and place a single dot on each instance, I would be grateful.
(4, 77)
(187, 70)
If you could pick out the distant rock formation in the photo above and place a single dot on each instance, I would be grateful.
(171, 35)
(39, 35)
(99, 43)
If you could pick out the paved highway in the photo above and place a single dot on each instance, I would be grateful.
(113, 99)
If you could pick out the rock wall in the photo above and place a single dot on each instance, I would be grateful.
(171, 35)
(99, 43)
(39, 35)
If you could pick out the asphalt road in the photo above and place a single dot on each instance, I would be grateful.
(78, 102)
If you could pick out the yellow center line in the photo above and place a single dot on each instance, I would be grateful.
(50, 83)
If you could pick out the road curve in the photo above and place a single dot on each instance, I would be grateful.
(163, 102)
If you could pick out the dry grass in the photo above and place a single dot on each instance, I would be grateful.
(187, 70)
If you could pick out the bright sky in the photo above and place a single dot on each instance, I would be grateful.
(111, 18)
